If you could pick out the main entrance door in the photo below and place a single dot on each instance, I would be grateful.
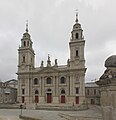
(62, 98)
(49, 97)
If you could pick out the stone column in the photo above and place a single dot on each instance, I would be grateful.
(42, 100)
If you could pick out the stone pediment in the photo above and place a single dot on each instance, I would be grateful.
(48, 70)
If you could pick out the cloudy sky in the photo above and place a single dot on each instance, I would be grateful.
(50, 25)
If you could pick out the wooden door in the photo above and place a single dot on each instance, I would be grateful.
(63, 99)
(49, 97)
(36, 99)
(77, 99)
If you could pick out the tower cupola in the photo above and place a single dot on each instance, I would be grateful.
(77, 45)
(26, 39)
(26, 52)
(77, 32)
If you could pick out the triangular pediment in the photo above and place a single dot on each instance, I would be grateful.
(48, 70)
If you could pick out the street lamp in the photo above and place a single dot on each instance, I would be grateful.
(21, 106)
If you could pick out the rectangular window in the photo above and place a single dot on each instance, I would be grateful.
(23, 58)
(77, 53)
(23, 91)
(77, 90)
(94, 91)
(87, 91)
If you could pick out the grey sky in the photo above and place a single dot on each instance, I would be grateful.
(50, 24)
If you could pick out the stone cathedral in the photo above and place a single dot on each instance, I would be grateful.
(52, 84)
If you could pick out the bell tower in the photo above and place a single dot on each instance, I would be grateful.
(76, 44)
(26, 53)
(26, 63)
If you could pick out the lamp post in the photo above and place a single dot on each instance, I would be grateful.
(21, 106)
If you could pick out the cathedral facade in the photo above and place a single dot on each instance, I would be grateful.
(52, 84)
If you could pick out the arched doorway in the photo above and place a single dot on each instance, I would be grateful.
(62, 99)
(49, 96)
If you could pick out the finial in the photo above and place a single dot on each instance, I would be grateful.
(26, 25)
(76, 16)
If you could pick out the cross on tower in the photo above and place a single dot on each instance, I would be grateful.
(76, 15)
(26, 25)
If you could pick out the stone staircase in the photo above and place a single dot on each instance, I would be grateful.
(63, 108)
(31, 106)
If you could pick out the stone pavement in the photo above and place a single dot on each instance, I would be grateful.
(94, 113)
(9, 114)
(9, 118)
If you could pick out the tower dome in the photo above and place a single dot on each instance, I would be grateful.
(77, 25)
(111, 61)
(26, 35)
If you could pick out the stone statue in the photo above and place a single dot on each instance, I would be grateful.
(48, 61)
(42, 63)
(56, 62)
(68, 62)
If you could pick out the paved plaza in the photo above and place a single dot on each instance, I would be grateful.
(93, 113)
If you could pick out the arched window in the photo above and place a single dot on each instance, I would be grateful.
(77, 53)
(36, 92)
(88, 92)
(48, 80)
(28, 43)
(36, 81)
(76, 35)
(62, 80)
(62, 91)
(23, 58)
(24, 43)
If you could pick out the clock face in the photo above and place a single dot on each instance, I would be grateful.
(77, 62)
(23, 67)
